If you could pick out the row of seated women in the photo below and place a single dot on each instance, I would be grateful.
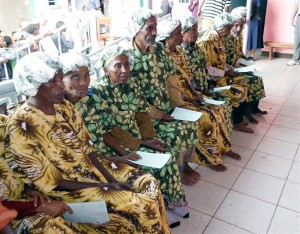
(68, 143)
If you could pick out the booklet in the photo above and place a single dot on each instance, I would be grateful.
(213, 102)
(219, 89)
(245, 62)
(152, 159)
(185, 114)
(87, 212)
(250, 68)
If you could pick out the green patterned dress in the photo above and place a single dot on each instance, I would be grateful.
(196, 61)
(116, 105)
(256, 90)
(150, 72)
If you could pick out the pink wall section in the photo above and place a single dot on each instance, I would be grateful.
(277, 25)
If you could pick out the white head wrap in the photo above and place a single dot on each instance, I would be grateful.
(72, 61)
(138, 19)
(33, 70)
(223, 20)
(165, 28)
(110, 52)
(188, 23)
(239, 13)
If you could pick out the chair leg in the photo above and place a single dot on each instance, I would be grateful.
(271, 53)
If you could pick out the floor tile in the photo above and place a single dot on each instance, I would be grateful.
(217, 226)
(205, 197)
(295, 95)
(261, 186)
(297, 158)
(246, 140)
(290, 197)
(246, 212)
(287, 122)
(270, 165)
(260, 128)
(278, 148)
(285, 134)
(278, 92)
(290, 111)
(292, 102)
(294, 175)
(269, 118)
(271, 108)
(195, 224)
(225, 179)
(274, 100)
(285, 221)
(245, 156)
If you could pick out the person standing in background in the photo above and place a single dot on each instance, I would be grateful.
(193, 7)
(211, 9)
(166, 7)
(295, 21)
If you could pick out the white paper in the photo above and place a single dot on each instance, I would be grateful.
(152, 159)
(250, 68)
(219, 89)
(185, 114)
(87, 212)
(245, 62)
(259, 74)
(213, 102)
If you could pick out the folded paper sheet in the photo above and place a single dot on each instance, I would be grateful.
(152, 159)
(219, 89)
(185, 114)
(213, 102)
(87, 212)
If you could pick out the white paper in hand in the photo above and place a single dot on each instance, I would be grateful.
(250, 68)
(213, 102)
(87, 212)
(152, 159)
(185, 114)
(219, 89)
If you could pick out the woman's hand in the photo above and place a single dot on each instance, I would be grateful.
(154, 144)
(231, 73)
(167, 118)
(37, 197)
(54, 208)
(132, 156)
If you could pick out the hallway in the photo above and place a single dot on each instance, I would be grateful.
(260, 193)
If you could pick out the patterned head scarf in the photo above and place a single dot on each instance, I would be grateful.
(165, 28)
(106, 56)
(223, 20)
(239, 13)
(33, 70)
(138, 19)
(72, 61)
(188, 23)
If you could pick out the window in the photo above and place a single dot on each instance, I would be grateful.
(52, 2)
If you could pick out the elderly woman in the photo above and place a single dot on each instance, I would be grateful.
(52, 146)
(212, 43)
(111, 103)
(195, 60)
(233, 45)
(152, 66)
(212, 132)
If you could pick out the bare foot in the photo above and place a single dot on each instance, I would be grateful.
(187, 179)
(240, 127)
(191, 171)
(218, 168)
(233, 155)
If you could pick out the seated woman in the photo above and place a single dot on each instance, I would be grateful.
(212, 132)
(113, 103)
(34, 212)
(52, 146)
(234, 45)
(212, 43)
(195, 60)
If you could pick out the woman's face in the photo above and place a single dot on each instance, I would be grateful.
(237, 28)
(190, 36)
(224, 32)
(53, 91)
(176, 37)
(118, 70)
(77, 82)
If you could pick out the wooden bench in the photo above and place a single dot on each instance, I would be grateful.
(273, 45)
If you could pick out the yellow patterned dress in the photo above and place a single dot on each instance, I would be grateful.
(256, 90)
(215, 55)
(50, 148)
(196, 62)
(12, 189)
(213, 137)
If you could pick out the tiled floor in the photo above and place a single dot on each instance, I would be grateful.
(260, 193)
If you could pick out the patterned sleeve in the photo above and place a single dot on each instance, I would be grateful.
(29, 154)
